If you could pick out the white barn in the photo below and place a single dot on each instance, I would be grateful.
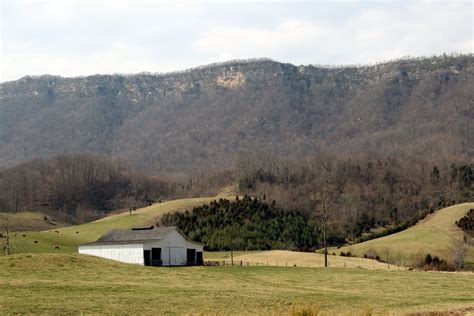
(153, 246)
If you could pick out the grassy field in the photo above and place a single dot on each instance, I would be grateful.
(71, 283)
(68, 238)
(292, 258)
(22, 221)
(437, 235)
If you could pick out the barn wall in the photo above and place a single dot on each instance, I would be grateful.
(173, 248)
(129, 253)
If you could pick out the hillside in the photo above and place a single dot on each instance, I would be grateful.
(436, 235)
(69, 284)
(34, 221)
(68, 238)
(78, 188)
(209, 115)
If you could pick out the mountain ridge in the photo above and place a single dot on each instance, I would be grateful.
(209, 115)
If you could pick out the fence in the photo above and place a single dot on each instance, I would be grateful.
(244, 263)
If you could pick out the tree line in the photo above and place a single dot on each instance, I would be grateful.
(78, 187)
(364, 191)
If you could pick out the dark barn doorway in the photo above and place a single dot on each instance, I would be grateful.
(147, 257)
(191, 257)
(199, 258)
(156, 257)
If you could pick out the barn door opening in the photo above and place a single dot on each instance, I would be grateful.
(146, 257)
(156, 257)
(191, 257)
(199, 258)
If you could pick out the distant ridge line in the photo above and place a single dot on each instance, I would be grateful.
(251, 60)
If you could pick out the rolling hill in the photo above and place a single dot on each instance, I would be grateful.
(208, 116)
(68, 238)
(436, 235)
(33, 221)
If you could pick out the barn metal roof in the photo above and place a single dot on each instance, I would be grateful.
(137, 235)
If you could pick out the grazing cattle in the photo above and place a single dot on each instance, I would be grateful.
(56, 247)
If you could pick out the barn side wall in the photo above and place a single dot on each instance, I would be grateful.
(129, 253)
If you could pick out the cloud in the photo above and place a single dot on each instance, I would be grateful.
(117, 59)
(244, 42)
(371, 35)
(86, 37)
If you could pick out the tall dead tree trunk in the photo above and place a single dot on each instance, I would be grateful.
(322, 210)
(324, 216)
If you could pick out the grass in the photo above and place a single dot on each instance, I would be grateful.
(69, 238)
(71, 283)
(22, 221)
(437, 235)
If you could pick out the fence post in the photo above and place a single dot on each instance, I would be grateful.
(286, 264)
(241, 263)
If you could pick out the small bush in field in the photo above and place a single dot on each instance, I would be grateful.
(428, 260)
(301, 309)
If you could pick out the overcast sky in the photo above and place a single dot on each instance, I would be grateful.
(71, 38)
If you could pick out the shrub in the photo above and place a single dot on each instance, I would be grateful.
(428, 260)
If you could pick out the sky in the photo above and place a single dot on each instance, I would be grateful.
(76, 38)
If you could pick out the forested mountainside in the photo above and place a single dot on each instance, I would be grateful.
(208, 116)
(78, 188)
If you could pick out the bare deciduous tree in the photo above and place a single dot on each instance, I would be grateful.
(6, 248)
(398, 257)
(387, 255)
(322, 213)
(461, 249)
(325, 191)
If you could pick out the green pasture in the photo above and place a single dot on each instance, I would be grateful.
(436, 235)
(73, 284)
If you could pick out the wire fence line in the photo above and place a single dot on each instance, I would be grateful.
(270, 263)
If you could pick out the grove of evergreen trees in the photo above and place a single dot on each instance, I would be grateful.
(466, 223)
(247, 224)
